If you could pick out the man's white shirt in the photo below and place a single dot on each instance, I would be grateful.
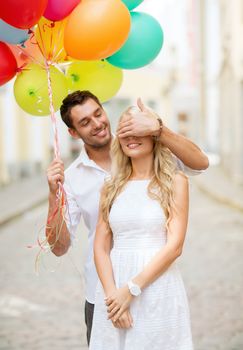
(83, 182)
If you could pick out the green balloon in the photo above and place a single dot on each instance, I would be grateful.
(31, 89)
(131, 4)
(143, 44)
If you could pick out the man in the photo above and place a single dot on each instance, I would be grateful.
(85, 118)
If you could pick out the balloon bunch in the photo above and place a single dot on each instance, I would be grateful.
(59, 46)
(84, 43)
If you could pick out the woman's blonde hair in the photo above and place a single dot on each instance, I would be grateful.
(160, 186)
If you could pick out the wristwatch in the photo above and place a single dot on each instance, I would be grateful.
(134, 288)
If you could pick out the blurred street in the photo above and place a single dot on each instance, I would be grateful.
(45, 312)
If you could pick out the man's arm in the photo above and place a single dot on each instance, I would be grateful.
(145, 123)
(184, 149)
(57, 233)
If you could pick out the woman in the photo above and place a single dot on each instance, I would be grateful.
(141, 303)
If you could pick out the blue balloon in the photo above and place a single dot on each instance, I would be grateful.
(144, 43)
(12, 35)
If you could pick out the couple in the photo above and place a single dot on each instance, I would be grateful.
(140, 302)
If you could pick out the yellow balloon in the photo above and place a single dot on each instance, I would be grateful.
(99, 77)
(49, 36)
(31, 89)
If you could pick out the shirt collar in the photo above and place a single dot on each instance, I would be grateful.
(84, 159)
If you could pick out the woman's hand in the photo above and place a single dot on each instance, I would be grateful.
(125, 321)
(118, 302)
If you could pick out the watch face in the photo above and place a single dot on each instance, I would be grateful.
(135, 290)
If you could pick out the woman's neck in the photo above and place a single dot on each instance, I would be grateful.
(142, 168)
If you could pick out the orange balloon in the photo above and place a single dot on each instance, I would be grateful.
(96, 29)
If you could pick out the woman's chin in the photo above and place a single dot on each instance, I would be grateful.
(136, 154)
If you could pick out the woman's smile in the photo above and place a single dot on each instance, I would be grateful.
(133, 145)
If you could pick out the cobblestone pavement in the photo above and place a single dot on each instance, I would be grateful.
(45, 312)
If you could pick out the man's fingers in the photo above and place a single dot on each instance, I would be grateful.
(56, 166)
(140, 105)
(125, 129)
(57, 161)
(57, 178)
(55, 171)
(51, 176)
(127, 134)
(123, 124)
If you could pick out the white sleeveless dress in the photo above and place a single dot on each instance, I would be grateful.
(160, 314)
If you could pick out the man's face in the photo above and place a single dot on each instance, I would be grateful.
(90, 123)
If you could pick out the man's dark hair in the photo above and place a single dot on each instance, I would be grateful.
(75, 98)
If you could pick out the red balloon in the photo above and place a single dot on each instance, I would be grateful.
(22, 13)
(8, 64)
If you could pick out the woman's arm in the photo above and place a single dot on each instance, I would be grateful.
(102, 248)
(168, 254)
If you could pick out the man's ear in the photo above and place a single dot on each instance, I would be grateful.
(73, 133)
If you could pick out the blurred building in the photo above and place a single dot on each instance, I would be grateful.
(231, 88)
(221, 82)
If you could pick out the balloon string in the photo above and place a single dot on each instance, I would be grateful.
(56, 57)
(26, 53)
(21, 68)
(53, 43)
(61, 203)
(61, 209)
(61, 195)
(37, 43)
(42, 42)
(53, 117)
(57, 41)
